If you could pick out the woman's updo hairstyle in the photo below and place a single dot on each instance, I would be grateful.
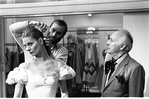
(32, 32)
(35, 34)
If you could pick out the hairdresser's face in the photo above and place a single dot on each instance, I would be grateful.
(32, 45)
(56, 33)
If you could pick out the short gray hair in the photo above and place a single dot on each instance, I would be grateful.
(126, 38)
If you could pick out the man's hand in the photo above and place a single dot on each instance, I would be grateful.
(39, 25)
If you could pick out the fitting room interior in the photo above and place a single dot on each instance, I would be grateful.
(90, 20)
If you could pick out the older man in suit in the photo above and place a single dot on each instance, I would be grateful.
(123, 76)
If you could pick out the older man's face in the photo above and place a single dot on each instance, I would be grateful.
(113, 44)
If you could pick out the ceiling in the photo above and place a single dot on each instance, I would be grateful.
(25, 1)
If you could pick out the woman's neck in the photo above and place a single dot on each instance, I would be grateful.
(43, 56)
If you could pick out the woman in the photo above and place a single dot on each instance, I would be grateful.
(40, 75)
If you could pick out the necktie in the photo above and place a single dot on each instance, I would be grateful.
(110, 66)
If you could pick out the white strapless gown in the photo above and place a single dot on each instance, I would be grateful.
(37, 85)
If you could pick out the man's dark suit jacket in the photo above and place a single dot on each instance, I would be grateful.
(128, 80)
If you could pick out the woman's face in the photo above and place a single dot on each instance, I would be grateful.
(32, 45)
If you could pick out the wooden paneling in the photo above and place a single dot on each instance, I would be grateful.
(2, 60)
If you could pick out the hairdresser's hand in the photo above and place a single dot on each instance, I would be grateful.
(39, 25)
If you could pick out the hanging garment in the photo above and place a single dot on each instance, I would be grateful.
(75, 61)
(74, 58)
(90, 71)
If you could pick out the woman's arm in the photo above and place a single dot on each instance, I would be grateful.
(63, 88)
(16, 29)
(18, 90)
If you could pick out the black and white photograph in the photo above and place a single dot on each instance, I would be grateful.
(74, 48)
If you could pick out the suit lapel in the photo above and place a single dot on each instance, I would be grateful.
(103, 81)
(119, 69)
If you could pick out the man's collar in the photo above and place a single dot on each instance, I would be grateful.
(54, 47)
(121, 58)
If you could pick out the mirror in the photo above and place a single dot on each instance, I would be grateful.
(94, 28)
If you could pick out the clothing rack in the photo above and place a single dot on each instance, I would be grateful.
(12, 47)
(10, 44)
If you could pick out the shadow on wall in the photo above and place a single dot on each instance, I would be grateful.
(146, 93)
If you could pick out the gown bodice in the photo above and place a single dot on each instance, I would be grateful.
(37, 85)
(40, 86)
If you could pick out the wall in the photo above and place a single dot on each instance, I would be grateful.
(138, 25)
(96, 20)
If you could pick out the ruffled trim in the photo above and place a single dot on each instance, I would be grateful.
(66, 72)
(18, 75)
